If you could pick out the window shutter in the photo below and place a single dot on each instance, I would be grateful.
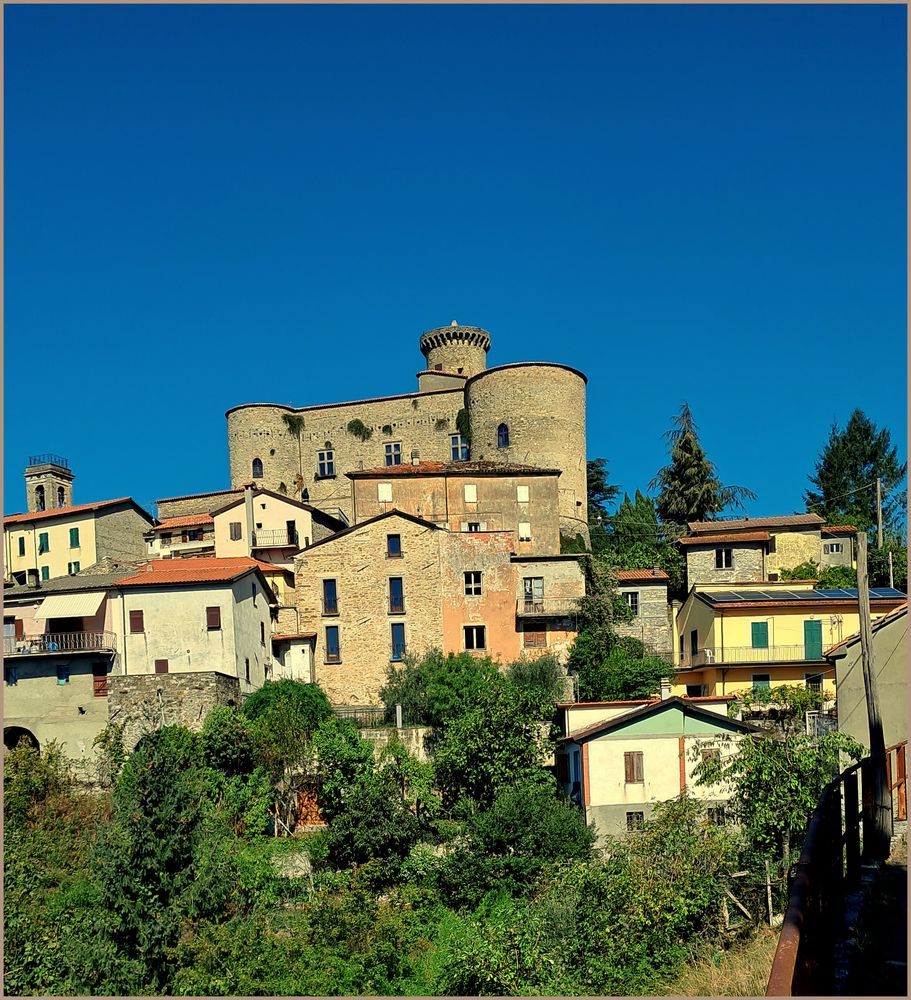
(20, 628)
(213, 618)
(100, 681)
(629, 768)
(760, 634)
(136, 622)
(161, 666)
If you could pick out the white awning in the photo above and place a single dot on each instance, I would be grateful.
(71, 605)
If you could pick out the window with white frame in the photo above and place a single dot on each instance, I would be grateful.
(325, 464)
(394, 453)
(524, 531)
(458, 448)
(471, 493)
(473, 583)
(830, 548)
(475, 637)
(632, 601)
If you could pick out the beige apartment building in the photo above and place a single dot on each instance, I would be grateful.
(527, 413)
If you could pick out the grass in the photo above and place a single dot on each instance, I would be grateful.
(740, 971)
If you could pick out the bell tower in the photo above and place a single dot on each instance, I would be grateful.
(48, 483)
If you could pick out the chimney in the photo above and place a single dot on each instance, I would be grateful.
(248, 509)
(656, 569)
(665, 688)
(32, 579)
(415, 456)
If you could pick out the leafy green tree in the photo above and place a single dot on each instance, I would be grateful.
(30, 777)
(602, 494)
(284, 715)
(826, 577)
(344, 758)
(843, 483)
(777, 782)
(294, 424)
(227, 741)
(540, 683)
(878, 562)
(690, 489)
(496, 743)
(437, 687)
(637, 540)
(625, 672)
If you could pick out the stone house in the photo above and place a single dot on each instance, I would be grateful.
(467, 496)
(645, 592)
(757, 549)
(69, 643)
(397, 582)
(890, 668)
(618, 760)
(733, 639)
(179, 537)
(527, 413)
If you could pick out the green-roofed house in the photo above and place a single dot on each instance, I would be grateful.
(638, 754)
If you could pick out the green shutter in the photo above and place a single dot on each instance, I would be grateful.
(760, 631)
(45, 573)
(74, 538)
(812, 640)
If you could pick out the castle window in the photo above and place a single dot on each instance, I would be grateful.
(257, 468)
(61, 499)
(522, 494)
(394, 453)
(503, 436)
(39, 498)
(458, 448)
(325, 464)
(473, 583)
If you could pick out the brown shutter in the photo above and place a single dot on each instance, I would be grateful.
(637, 766)
(213, 618)
(20, 628)
(632, 764)
(100, 681)
(628, 768)
(136, 622)
(161, 666)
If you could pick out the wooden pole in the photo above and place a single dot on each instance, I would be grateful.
(891, 577)
(768, 889)
(882, 824)
(879, 513)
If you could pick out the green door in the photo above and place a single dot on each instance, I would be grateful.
(812, 640)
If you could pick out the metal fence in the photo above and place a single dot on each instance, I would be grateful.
(59, 642)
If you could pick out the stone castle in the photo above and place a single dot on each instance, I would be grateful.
(528, 413)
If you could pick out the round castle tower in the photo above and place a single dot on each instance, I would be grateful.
(461, 350)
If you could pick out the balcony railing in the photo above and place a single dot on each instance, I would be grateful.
(749, 654)
(278, 538)
(59, 642)
(48, 458)
(544, 607)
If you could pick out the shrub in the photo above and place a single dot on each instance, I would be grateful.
(31, 776)
(227, 741)
(357, 428)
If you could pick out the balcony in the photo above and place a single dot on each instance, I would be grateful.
(60, 642)
(276, 539)
(749, 655)
(547, 607)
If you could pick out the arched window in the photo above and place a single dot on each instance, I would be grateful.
(61, 499)
(39, 498)
(503, 436)
(257, 468)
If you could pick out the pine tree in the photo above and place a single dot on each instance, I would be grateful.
(846, 473)
(690, 489)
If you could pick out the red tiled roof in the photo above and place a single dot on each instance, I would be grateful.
(743, 536)
(781, 521)
(434, 468)
(202, 569)
(40, 515)
(284, 636)
(183, 521)
(839, 529)
(642, 574)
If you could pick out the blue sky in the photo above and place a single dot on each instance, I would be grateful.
(222, 204)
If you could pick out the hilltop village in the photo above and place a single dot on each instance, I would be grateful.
(353, 534)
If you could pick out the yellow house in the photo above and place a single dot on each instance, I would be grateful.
(732, 639)
(64, 540)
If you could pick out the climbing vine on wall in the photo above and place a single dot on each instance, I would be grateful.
(359, 429)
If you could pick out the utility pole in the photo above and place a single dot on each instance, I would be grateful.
(882, 803)
(879, 513)
(891, 577)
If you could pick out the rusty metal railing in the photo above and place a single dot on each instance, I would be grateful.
(829, 866)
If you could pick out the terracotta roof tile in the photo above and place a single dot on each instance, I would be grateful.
(285, 636)
(839, 529)
(742, 536)
(781, 521)
(79, 508)
(642, 574)
(201, 569)
(435, 468)
(183, 521)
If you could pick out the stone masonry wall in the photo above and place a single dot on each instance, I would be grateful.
(652, 625)
(185, 700)
(417, 421)
(120, 534)
(748, 565)
(793, 548)
(544, 408)
(203, 504)
(357, 562)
